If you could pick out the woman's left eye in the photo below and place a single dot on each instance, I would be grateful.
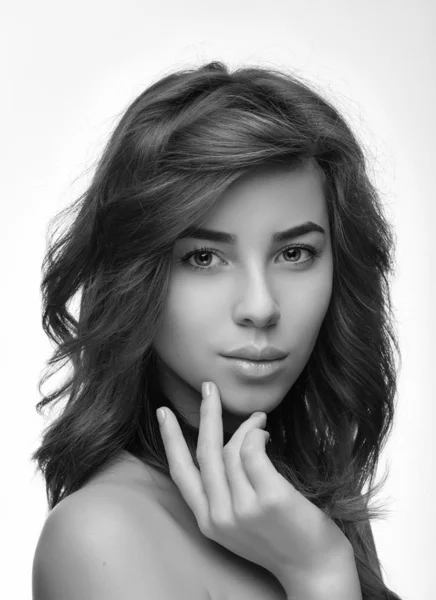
(314, 253)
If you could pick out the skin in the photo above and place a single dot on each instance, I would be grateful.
(254, 292)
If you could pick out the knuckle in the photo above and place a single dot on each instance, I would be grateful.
(174, 473)
(247, 451)
(246, 513)
(200, 453)
(272, 502)
(228, 451)
(251, 441)
(220, 522)
(206, 528)
(254, 434)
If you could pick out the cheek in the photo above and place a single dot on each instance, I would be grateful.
(317, 303)
(189, 314)
(313, 311)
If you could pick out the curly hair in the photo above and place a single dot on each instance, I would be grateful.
(173, 153)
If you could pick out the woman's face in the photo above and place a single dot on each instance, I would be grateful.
(255, 291)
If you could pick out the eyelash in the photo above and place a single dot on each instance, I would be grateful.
(184, 259)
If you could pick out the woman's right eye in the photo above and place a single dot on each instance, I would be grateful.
(197, 251)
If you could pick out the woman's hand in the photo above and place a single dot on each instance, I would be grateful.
(241, 502)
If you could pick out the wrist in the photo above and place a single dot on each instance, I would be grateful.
(340, 582)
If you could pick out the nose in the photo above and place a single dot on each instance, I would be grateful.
(256, 303)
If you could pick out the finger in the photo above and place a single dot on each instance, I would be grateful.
(260, 471)
(210, 457)
(242, 492)
(183, 471)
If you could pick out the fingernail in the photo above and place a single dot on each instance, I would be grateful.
(206, 388)
(258, 415)
(161, 415)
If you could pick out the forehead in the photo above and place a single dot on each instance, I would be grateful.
(272, 198)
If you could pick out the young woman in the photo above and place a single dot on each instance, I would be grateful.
(230, 236)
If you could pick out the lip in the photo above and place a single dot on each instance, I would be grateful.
(254, 353)
(255, 369)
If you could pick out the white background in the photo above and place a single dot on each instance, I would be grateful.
(70, 69)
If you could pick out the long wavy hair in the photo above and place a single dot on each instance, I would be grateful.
(173, 153)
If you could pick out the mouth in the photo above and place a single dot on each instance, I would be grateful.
(256, 353)
(256, 369)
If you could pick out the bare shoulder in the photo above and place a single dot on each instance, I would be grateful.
(101, 542)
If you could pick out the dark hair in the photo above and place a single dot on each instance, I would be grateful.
(174, 152)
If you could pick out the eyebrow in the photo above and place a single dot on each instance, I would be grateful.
(201, 233)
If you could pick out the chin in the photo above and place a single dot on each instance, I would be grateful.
(240, 402)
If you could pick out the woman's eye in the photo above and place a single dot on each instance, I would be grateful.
(198, 255)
